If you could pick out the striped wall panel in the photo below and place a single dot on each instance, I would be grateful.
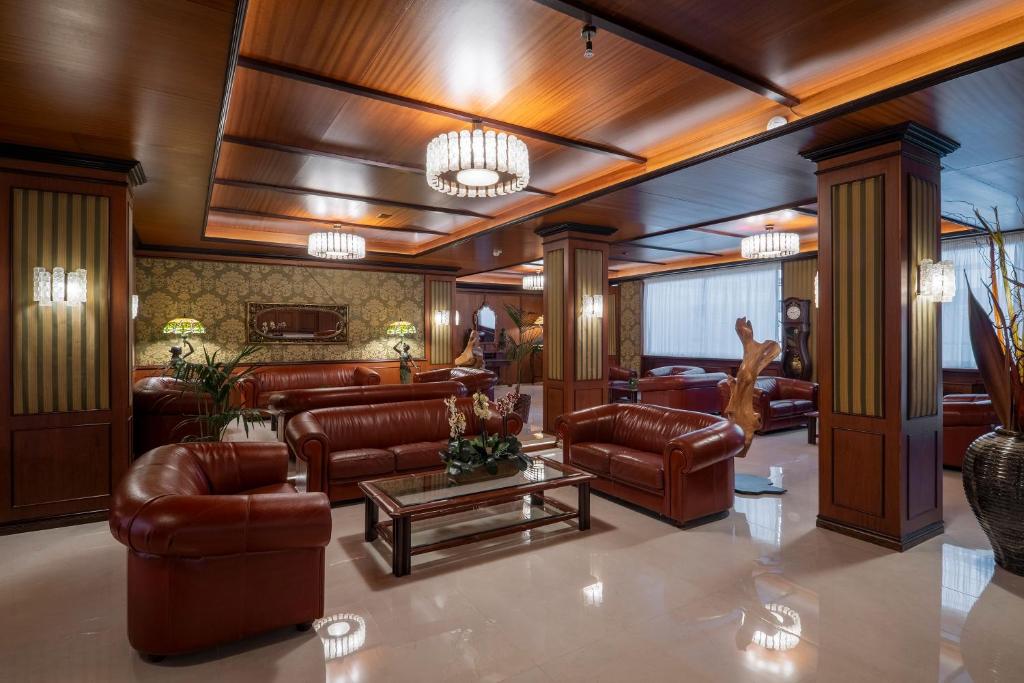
(798, 281)
(440, 335)
(591, 275)
(61, 353)
(554, 312)
(857, 304)
(923, 337)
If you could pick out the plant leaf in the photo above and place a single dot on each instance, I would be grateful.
(992, 363)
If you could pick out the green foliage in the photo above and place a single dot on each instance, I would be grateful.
(214, 384)
(527, 342)
(467, 455)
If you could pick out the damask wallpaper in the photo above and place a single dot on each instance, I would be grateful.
(216, 293)
(630, 319)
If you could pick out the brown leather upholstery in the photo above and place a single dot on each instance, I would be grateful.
(474, 379)
(686, 391)
(339, 447)
(159, 406)
(677, 463)
(618, 382)
(667, 370)
(267, 381)
(782, 402)
(965, 417)
(220, 546)
(286, 404)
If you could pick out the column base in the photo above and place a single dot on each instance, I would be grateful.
(903, 543)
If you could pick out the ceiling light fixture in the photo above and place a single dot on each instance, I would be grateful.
(533, 282)
(337, 245)
(587, 33)
(477, 163)
(770, 244)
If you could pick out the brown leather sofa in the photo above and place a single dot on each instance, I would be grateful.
(220, 545)
(782, 402)
(676, 463)
(339, 447)
(965, 417)
(618, 383)
(258, 387)
(474, 379)
(285, 405)
(159, 407)
(667, 370)
(686, 391)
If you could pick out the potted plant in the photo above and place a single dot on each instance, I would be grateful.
(523, 347)
(993, 468)
(485, 454)
(215, 385)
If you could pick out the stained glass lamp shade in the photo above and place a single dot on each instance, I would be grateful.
(401, 328)
(184, 327)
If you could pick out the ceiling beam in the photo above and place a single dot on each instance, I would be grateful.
(635, 243)
(322, 221)
(668, 46)
(288, 189)
(353, 158)
(311, 78)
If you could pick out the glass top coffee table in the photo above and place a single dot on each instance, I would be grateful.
(417, 497)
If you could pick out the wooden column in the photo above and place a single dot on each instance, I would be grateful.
(879, 350)
(440, 339)
(575, 345)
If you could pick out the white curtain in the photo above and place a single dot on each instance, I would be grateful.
(694, 314)
(970, 259)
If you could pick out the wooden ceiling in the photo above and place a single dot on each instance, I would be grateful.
(661, 134)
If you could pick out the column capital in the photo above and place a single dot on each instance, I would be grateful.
(909, 132)
(597, 233)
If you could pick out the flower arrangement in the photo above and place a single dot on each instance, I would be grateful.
(465, 455)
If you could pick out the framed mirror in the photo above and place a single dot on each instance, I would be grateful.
(268, 323)
(484, 322)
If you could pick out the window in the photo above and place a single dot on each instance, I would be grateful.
(694, 314)
(970, 260)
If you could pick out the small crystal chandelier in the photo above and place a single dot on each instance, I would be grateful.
(337, 245)
(770, 244)
(477, 163)
(936, 281)
(533, 282)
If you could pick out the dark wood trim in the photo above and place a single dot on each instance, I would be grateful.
(131, 168)
(311, 78)
(323, 221)
(910, 132)
(481, 288)
(53, 522)
(904, 543)
(549, 230)
(669, 47)
(638, 260)
(289, 189)
(634, 243)
(355, 361)
(736, 217)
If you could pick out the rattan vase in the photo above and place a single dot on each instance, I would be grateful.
(994, 484)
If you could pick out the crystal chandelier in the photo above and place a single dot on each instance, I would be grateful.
(533, 281)
(770, 244)
(337, 245)
(477, 163)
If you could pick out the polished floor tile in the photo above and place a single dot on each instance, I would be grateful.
(762, 595)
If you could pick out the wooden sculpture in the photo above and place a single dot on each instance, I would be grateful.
(756, 356)
(472, 356)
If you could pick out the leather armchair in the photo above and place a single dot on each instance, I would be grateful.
(676, 463)
(618, 382)
(686, 391)
(285, 405)
(474, 379)
(337, 448)
(199, 518)
(965, 417)
(667, 370)
(159, 407)
(782, 402)
(258, 387)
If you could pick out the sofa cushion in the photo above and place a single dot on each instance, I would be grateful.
(786, 407)
(361, 462)
(593, 456)
(639, 468)
(417, 456)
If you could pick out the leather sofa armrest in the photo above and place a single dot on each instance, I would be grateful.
(797, 389)
(308, 442)
(589, 424)
(680, 382)
(248, 390)
(365, 376)
(703, 447)
(440, 375)
(202, 526)
(233, 466)
(618, 374)
(494, 422)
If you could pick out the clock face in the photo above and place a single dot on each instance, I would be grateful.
(793, 312)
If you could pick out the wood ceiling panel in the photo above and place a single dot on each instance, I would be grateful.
(379, 237)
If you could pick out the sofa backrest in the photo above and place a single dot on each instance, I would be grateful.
(284, 377)
(674, 370)
(298, 400)
(650, 428)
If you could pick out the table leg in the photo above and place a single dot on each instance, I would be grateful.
(370, 523)
(583, 508)
(537, 498)
(401, 549)
(812, 430)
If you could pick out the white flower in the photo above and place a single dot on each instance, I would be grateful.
(481, 406)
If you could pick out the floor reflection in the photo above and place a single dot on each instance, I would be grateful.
(342, 634)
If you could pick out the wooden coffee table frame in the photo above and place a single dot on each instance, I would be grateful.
(397, 531)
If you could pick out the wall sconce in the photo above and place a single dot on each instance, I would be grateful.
(441, 318)
(59, 287)
(593, 305)
(135, 306)
(458, 320)
(815, 289)
(936, 281)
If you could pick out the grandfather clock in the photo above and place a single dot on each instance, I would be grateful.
(796, 326)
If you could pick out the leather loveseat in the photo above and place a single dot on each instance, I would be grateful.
(474, 379)
(618, 383)
(339, 447)
(676, 463)
(782, 402)
(285, 405)
(220, 545)
(258, 387)
(965, 417)
(160, 407)
(685, 390)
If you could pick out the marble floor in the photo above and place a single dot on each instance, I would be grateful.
(760, 595)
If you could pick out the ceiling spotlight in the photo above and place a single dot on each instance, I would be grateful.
(496, 253)
(776, 121)
(587, 33)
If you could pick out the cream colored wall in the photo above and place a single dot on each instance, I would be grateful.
(216, 293)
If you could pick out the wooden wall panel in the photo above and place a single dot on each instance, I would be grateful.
(923, 360)
(591, 279)
(858, 259)
(441, 299)
(858, 460)
(554, 312)
(51, 465)
(798, 281)
(61, 353)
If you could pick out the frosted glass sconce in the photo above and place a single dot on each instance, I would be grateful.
(593, 305)
(936, 281)
(59, 287)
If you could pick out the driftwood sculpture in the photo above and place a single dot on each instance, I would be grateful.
(756, 356)
(472, 356)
